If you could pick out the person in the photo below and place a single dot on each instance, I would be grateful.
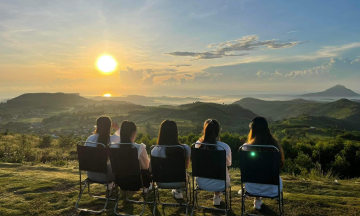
(211, 135)
(127, 134)
(168, 135)
(260, 135)
(102, 135)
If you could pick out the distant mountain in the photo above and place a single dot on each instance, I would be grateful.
(232, 117)
(53, 100)
(336, 91)
(278, 110)
(343, 109)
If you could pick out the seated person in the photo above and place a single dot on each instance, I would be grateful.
(102, 135)
(260, 135)
(211, 134)
(128, 135)
(168, 135)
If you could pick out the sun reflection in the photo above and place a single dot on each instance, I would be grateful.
(106, 63)
(107, 95)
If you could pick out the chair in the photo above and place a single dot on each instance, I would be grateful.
(209, 163)
(170, 170)
(127, 172)
(93, 159)
(260, 164)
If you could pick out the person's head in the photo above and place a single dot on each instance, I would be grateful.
(127, 132)
(211, 132)
(260, 135)
(103, 126)
(168, 135)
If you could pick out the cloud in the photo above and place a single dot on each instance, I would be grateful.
(246, 43)
(289, 32)
(181, 65)
(140, 76)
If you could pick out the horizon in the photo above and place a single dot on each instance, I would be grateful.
(161, 48)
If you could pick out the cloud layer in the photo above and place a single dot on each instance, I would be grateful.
(226, 49)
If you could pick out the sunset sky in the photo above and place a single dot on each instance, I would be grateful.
(179, 48)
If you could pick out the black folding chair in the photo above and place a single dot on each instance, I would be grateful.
(209, 163)
(93, 159)
(127, 173)
(260, 164)
(170, 170)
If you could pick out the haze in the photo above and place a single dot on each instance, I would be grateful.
(179, 48)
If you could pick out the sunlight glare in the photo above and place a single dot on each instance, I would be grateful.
(106, 64)
(107, 95)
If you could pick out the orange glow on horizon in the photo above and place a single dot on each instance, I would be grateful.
(107, 95)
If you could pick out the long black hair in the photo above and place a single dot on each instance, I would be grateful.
(126, 131)
(168, 135)
(211, 133)
(260, 135)
(103, 126)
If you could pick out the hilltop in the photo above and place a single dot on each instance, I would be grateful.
(336, 91)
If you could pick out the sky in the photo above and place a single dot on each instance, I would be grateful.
(179, 48)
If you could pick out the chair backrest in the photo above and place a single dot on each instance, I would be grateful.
(208, 163)
(168, 170)
(125, 166)
(260, 164)
(92, 159)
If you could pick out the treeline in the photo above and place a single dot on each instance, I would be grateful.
(333, 157)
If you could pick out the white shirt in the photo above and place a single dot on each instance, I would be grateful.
(262, 189)
(215, 184)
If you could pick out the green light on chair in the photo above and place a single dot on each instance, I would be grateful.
(252, 154)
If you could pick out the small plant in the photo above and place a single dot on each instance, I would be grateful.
(45, 142)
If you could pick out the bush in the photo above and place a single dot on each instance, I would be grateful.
(66, 141)
(45, 142)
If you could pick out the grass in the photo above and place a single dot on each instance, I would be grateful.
(47, 190)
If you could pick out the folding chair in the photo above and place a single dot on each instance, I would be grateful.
(93, 159)
(209, 163)
(260, 164)
(170, 170)
(127, 173)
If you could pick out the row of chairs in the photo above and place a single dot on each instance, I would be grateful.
(256, 167)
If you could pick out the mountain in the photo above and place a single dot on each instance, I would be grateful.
(54, 100)
(342, 109)
(336, 91)
(278, 110)
(232, 117)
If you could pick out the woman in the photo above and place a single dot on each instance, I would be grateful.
(168, 135)
(102, 135)
(260, 135)
(128, 135)
(211, 134)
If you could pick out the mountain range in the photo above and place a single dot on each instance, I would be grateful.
(338, 91)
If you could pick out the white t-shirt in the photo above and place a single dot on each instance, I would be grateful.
(160, 151)
(215, 184)
(262, 189)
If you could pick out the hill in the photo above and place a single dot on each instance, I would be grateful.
(336, 91)
(278, 110)
(232, 117)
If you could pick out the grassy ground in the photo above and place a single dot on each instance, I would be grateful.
(46, 190)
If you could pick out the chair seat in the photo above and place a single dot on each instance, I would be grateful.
(198, 188)
(173, 185)
(98, 182)
(250, 195)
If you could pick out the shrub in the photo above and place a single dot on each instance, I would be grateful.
(45, 142)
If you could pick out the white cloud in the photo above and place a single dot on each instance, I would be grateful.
(226, 49)
(140, 76)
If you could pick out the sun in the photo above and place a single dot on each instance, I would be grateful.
(107, 95)
(106, 63)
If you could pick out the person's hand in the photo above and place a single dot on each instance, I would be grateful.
(115, 126)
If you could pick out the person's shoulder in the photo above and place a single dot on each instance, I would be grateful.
(92, 138)
(114, 139)
(224, 145)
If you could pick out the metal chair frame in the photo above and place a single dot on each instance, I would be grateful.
(88, 182)
(244, 194)
(187, 184)
(227, 190)
(144, 194)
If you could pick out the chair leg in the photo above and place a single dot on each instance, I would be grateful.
(88, 210)
(145, 196)
(154, 208)
(282, 203)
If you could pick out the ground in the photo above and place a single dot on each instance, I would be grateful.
(46, 190)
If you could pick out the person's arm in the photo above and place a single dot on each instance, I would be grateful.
(187, 162)
(228, 157)
(144, 160)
